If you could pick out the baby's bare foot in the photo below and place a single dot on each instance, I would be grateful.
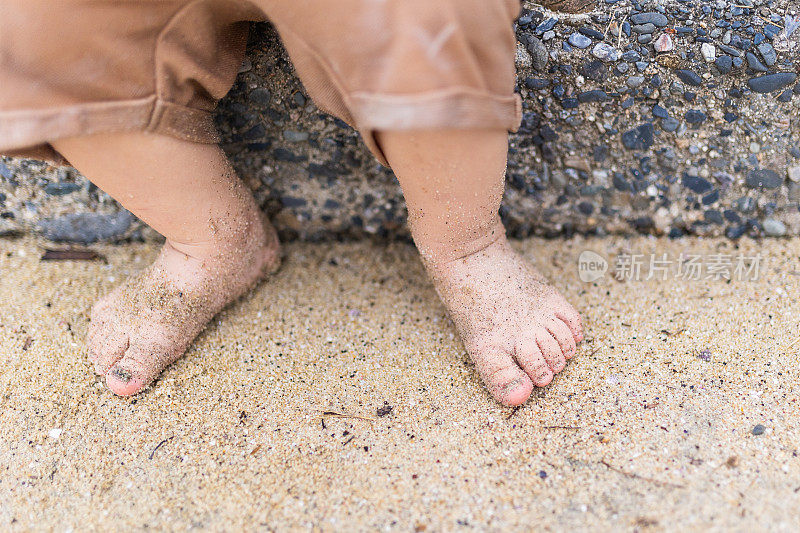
(150, 320)
(518, 329)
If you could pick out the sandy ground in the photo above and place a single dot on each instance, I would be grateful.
(651, 427)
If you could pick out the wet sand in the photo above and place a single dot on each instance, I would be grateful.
(650, 428)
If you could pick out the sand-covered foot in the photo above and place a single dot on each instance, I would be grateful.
(517, 328)
(151, 319)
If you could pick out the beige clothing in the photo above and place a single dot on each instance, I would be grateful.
(80, 67)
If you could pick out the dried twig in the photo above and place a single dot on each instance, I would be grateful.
(513, 412)
(345, 415)
(54, 402)
(610, 22)
(255, 450)
(776, 24)
(159, 445)
(637, 476)
(71, 254)
(574, 428)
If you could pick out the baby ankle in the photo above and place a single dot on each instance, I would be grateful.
(436, 251)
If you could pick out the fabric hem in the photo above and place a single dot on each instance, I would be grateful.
(22, 129)
(457, 108)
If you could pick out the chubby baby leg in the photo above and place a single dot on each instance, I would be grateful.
(218, 245)
(518, 329)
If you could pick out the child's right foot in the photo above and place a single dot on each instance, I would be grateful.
(150, 320)
(516, 327)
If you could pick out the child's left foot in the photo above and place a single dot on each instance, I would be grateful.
(518, 329)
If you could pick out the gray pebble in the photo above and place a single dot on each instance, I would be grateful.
(754, 63)
(606, 52)
(774, 228)
(86, 228)
(644, 28)
(763, 178)
(768, 53)
(654, 18)
(690, 77)
(579, 40)
(260, 96)
(772, 82)
(724, 64)
(635, 81)
(539, 54)
(670, 124)
(295, 136)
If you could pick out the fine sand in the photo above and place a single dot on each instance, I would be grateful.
(655, 425)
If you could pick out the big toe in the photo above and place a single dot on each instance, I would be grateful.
(516, 392)
(135, 371)
(506, 381)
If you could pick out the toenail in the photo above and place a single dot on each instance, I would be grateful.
(121, 374)
(510, 387)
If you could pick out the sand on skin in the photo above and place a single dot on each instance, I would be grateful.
(638, 432)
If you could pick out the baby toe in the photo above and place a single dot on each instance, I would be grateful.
(106, 347)
(551, 350)
(563, 336)
(572, 319)
(530, 358)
